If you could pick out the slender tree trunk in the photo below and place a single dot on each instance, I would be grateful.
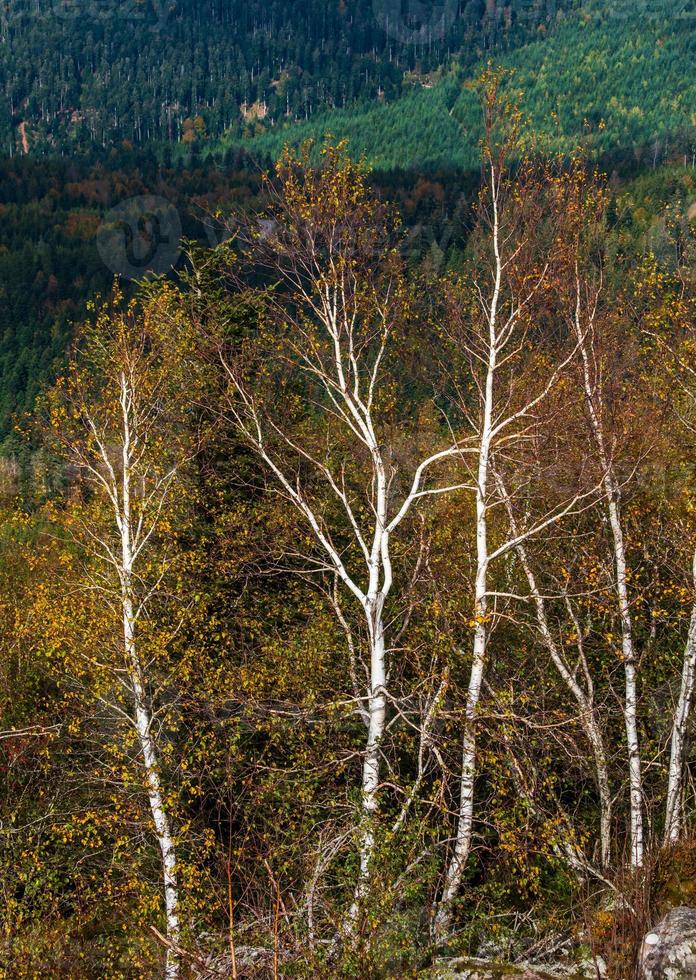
(584, 697)
(613, 497)
(605, 805)
(160, 817)
(143, 714)
(584, 701)
(593, 734)
(674, 816)
(379, 568)
(462, 845)
(377, 709)
(629, 658)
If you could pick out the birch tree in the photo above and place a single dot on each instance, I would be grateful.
(492, 319)
(676, 386)
(121, 423)
(332, 322)
(581, 688)
(585, 321)
(674, 808)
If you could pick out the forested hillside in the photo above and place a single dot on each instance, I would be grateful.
(614, 76)
(53, 261)
(392, 79)
(76, 72)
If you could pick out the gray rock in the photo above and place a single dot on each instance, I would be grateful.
(250, 961)
(590, 968)
(668, 951)
(474, 968)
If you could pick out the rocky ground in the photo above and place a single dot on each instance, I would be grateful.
(668, 952)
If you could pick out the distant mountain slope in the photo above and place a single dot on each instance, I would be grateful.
(612, 75)
(98, 71)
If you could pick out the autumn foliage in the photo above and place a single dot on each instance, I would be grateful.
(352, 618)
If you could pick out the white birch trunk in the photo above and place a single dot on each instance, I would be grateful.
(491, 350)
(377, 710)
(613, 497)
(674, 815)
(462, 844)
(630, 702)
(143, 714)
(160, 818)
(380, 580)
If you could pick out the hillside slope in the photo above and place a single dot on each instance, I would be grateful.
(610, 75)
(80, 72)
